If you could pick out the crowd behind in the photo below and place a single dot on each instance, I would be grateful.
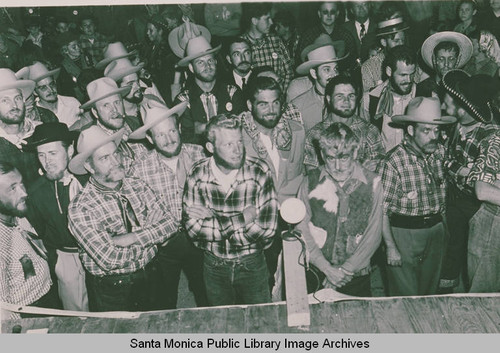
(169, 142)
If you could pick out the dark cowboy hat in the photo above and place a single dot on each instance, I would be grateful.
(63, 39)
(473, 92)
(49, 132)
(391, 26)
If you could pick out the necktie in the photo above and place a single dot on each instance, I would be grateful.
(362, 32)
(243, 83)
(210, 108)
(128, 214)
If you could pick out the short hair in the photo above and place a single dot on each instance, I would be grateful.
(222, 121)
(470, 2)
(235, 39)
(253, 10)
(399, 53)
(339, 138)
(6, 167)
(447, 46)
(341, 79)
(261, 83)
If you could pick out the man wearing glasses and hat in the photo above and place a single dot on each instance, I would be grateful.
(413, 179)
(48, 202)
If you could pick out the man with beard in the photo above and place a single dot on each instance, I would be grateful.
(414, 184)
(344, 211)
(443, 51)
(239, 57)
(106, 105)
(230, 212)
(48, 202)
(207, 96)
(117, 222)
(164, 169)
(24, 275)
(392, 96)
(341, 100)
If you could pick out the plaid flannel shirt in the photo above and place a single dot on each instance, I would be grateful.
(269, 50)
(487, 165)
(413, 186)
(95, 49)
(96, 214)
(168, 185)
(226, 235)
(371, 147)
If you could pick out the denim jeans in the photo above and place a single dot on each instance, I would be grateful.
(237, 281)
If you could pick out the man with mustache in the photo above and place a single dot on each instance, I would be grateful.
(117, 221)
(230, 212)
(391, 97)
(239, 57)
(414, 184)
(164, 169)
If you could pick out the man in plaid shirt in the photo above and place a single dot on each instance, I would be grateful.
(414, 200)
(165, 169)
(91, 42)
(230, 212)
(117, 222)
(267, 49)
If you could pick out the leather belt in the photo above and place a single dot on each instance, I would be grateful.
(68, 249)
(415, 222)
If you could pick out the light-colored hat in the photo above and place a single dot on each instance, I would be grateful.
(322, 51)
(36, 72)
(425, 111)
(152, 114)
(391, 26)
(119, 68)
(197, 47)
(102, 88)
(89, 141)
(112, 52)
(463, 42)
(8, 80)
(180, 36)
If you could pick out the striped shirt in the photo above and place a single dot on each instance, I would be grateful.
(487, 165)
(226, 235)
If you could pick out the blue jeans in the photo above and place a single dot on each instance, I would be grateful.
(238, 281)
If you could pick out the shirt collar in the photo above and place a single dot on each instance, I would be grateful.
(27, 130)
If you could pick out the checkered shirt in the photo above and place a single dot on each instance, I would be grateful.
(486, 168)
(371, 147)
(269, 50)
(413, 186)
(96, 49)
(291, 112)
(167, 185)
(17, 286)
(97, 214)
(226, 235)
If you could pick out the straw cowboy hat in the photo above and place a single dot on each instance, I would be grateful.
(37, 72)
(8, 80)
(102, 88)
(120, 68)
(197, 47)
(180, 36)
(425, 111)
(49, 132)
(112, 52)
(463, 42)
(394, 25)
(322, 51)
(474, 93)
(89, 141)
(152, 114)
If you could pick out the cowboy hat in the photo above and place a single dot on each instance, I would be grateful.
(89, 141)
(197, 47)
(152, 114)
(36, 72)
(112, 52)
(8, 80)
(180, 36)
(102, 88)
(464, 44)
(474, 93)
(119, 68)
(424, 110)
(49, 132)
(391, 26)
(322, 51)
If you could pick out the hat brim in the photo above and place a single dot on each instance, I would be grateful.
(303, 69)
(119, 74)
(76, 165)
(141, 132)
(52, 73)
(185, 61)
(26, 86)
(104, 62)
(31, 143)
(121, 91)
(404, 119)
(173, 39)
(463, 42)
(392, 31)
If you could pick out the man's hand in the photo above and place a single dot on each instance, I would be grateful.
(337, 277)
(199, 128)
(199, 212)
(463, 172)
(125, 240)
(250, 214)
(393, 257)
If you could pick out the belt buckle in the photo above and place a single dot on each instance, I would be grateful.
(426, 220)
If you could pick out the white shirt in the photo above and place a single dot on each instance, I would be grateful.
(394, 136)
(239, 79)
(358, 27)
(225, 180)
(272, 151)
(68, 109)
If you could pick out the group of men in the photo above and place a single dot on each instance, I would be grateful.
(104, 204)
